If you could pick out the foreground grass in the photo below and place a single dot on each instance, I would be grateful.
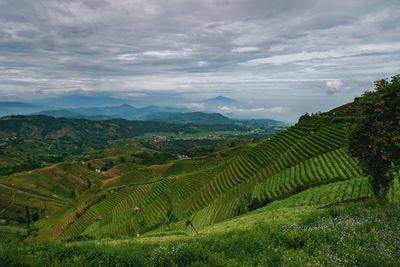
(358, 234)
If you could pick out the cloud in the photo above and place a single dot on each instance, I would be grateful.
(202, 64)
(334, 86)
(136, 94)
(245, 49)
(126, 57)
(335, 53)
(154, 54)
(195, 105)
(167, 53)
(267, 51)
(234, 109)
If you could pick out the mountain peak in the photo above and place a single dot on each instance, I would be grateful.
(221, 100)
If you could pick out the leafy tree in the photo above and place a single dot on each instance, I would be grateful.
(170, 218)
(28, 217)
(243, 204)
(188, 222)
(31, 230)
(375, 139)
(108, 165)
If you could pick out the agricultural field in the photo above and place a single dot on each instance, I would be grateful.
(95, 199)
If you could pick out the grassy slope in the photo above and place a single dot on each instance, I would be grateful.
(283, 233)
(319, 211)
(307, 155)
(46, 190)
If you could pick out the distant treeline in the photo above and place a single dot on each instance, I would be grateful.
(28, 141)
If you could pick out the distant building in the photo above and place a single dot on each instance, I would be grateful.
(183, 157)
(158, 137)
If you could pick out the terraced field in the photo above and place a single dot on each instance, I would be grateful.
(307, 155)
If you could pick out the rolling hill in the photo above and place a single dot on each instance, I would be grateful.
(191, 117)
(310, 154)
(28, 142)
(245, 190)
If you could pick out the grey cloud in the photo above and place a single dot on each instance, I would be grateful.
(334, 86)
(247, 49)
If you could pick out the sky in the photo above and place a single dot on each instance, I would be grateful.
(279, 58)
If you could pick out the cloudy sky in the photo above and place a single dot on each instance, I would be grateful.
(281, 58)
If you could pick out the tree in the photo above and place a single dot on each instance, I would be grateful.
(375, 139)
(188, 222)
(170, 218)
(88, 183)
(243, 204)
(28, 217)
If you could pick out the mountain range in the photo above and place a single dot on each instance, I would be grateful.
(102, 107)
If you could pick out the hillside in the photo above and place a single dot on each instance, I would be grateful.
(191, 117)
(28, 142)
(299, 173)
(216, 188)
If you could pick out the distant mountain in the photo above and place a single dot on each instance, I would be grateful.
(109, 111)
(147, 112)
(80, 100)
(154, 113)
(220, 100)
(191, 117)
(18, 108)
(77, 100)
(124, 111)
(59, 113)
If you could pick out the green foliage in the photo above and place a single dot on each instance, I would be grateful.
(375, 140)
(243, 204)
(108, 165)
(170, 218)
(53, 140)
(31, 230)
(360, 234)
(28, 216)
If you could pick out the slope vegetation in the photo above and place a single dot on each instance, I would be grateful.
(206, 191)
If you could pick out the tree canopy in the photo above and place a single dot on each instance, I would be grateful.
(375, 139)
